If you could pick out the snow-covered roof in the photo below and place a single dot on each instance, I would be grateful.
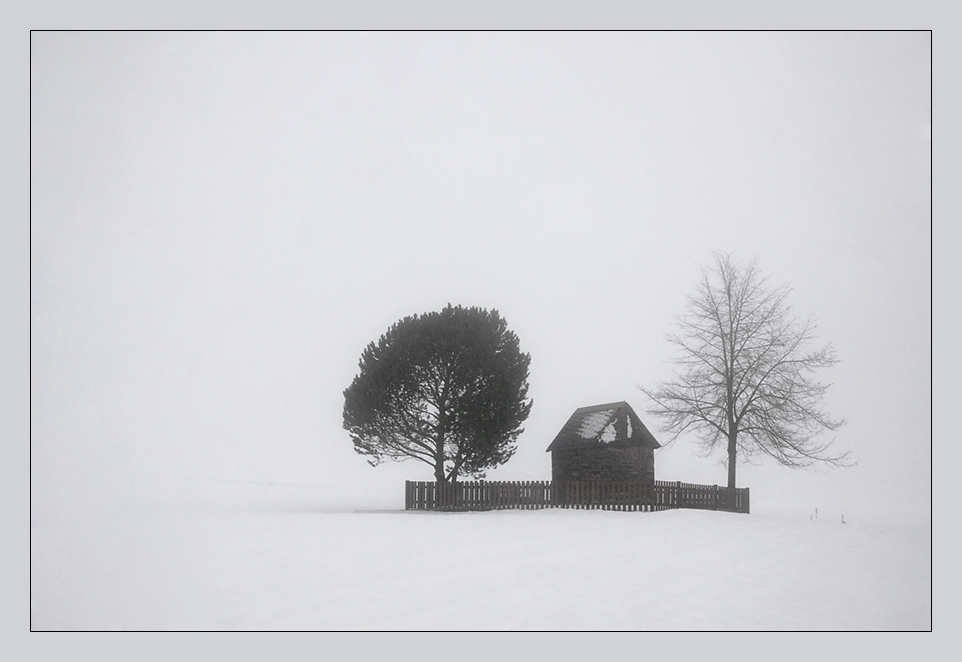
(613, 423)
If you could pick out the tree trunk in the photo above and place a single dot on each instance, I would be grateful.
(732, 436)
(439, 449)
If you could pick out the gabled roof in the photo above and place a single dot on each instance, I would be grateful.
(615, 423)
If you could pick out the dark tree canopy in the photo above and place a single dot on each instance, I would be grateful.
(447, 388)
(744, 375)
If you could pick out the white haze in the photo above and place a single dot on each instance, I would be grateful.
(221, 223)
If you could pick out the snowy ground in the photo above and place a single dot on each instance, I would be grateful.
(275, 557)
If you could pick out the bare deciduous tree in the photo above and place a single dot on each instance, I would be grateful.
(743, 379)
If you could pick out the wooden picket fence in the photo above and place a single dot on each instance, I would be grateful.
(586, 494)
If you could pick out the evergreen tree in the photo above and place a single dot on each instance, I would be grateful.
(446, 388)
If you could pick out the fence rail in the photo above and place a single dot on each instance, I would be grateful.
(586, 494)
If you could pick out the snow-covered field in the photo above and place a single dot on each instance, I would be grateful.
(282, 557)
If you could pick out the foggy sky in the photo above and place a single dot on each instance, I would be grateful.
(222, 222)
